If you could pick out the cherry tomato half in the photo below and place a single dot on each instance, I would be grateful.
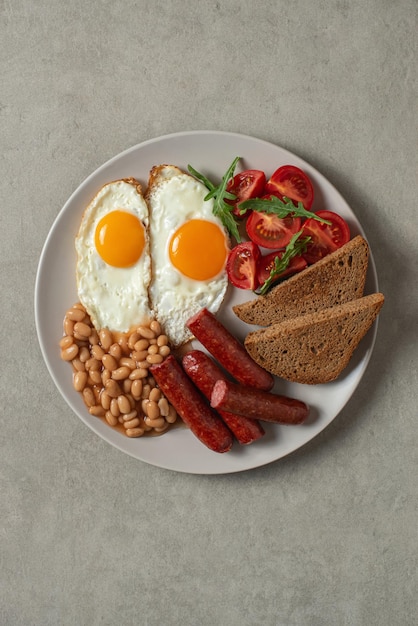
(246, 185)
(266, 264)
(269, 231)
(292, 182)
(241, 265)
(325, 238)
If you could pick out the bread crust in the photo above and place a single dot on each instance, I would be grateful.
(337, 278)
(314, 348)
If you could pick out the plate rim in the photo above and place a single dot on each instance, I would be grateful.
(39, 275)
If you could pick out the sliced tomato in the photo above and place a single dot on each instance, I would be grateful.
(266, 264)
(241, 265)
(325, 238)
(269, 231)
(246, 185)
(292, 182)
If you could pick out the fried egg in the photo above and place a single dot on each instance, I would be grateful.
(113, 262)
(189, 248)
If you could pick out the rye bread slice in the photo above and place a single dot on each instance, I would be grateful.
(314, 348)
(335, 279)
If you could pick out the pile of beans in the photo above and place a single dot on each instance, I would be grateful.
(112, 373)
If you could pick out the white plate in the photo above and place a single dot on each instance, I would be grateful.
(55, 291)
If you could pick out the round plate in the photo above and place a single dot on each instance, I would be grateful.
(55, 291)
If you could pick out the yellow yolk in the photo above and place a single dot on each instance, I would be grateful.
(120, 238)
(198, 249)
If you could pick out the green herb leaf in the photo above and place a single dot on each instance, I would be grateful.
(281, 208)
(221, 208)
(295, 247)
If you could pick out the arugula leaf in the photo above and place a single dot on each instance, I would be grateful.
(221, 208)
(295, 247)
(281, 208)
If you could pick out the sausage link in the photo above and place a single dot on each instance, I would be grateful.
(191, 405)
(257, 404)
(226, 349)
(204, 373)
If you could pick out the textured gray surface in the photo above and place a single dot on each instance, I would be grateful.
(327, 536)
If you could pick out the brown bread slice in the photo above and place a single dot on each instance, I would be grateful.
(337, 278)
(314, 348)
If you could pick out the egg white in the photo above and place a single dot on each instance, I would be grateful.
(175, 197)
(115, 297)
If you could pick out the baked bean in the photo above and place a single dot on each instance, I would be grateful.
(164, 351)
(68, 326)
(153, 349)
(95, 376)
(140, 345)
(171, 417)
(105, 400)
(138, 374)
(154, 358)
(126, 385)
(155, 326)
(152, 410)
(144, 364)
(114, 407)
(134, 423)
(66, 342)
(155, 423)
(94, 337)
(153, 342)
(97, 410)
(88, 396)
(116, 351)
(163, 428)
(136, 388)
(131, 400)
(145, 332)
(111, 419)
(84, 354)
(113, 388)
(80, 306)
(79, 380)
(162, 340)
(68, 354)
(106, 375)
(109, 362)
(82, 329)
(78, 365)
(124, 404)
(97, 352)
(139, 355)
(135, 432)
(130, 416)
(106, 338)
(123, 342)
(133, 339)
(121, 373)
(155, 394)
(146, 390)
(75, 314)
(93, 364)
(144, 403)
(163, 406)
(128, 362)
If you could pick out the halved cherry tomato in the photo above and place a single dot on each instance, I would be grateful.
(246, 185)
(241, 265)
(266, 264)
(269, 231)
(292, 182)
(325, 238)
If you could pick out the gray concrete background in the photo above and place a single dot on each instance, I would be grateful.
(327, 536)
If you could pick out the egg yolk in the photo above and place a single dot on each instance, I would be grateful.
(119, 238)
(198, 249)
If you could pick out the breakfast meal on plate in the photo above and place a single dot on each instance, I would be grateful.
(153, 269)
